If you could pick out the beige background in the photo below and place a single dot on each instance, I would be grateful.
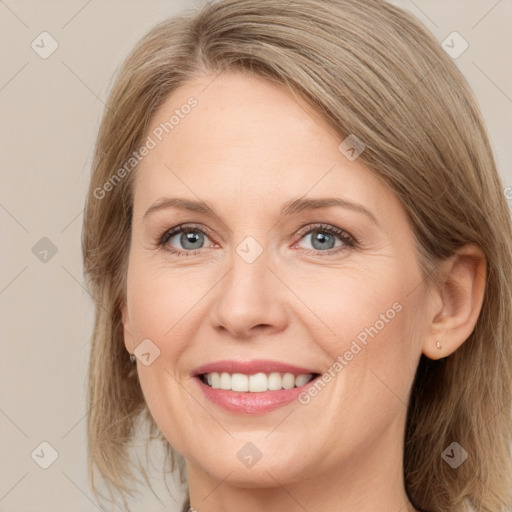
(50, 111)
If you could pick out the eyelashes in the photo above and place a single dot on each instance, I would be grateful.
(182, 228)
(348, 240)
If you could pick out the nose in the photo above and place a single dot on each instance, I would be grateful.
(250, 299)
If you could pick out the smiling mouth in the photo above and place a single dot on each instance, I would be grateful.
(256, 383)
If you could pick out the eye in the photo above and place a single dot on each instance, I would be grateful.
(189, 236)
(323, 238)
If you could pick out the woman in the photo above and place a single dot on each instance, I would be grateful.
(337, 335)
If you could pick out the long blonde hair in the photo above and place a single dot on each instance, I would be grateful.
(372, 70)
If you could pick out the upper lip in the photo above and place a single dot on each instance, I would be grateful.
(250, 367)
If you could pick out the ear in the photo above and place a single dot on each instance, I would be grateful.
(458, 297)
(127, 330)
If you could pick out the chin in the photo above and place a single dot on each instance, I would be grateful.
(266, 471)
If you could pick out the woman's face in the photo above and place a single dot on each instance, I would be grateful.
(265, 273)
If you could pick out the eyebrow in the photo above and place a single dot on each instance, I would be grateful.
(289, 208)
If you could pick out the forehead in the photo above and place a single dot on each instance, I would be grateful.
(246, 137)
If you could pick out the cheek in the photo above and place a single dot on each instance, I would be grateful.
(354, 305)
(375, 339)
(163, 304)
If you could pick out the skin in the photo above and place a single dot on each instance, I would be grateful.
(247, 148)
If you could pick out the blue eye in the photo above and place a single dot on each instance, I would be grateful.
(189, 236)
(192, 238)
(323, 238)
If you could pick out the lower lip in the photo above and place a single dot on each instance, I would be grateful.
(251, 402)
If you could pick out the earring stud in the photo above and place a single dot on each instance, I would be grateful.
(438, 345)
(133, 359)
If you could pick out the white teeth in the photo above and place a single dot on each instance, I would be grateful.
(239, 382)
(288, 381)
(215, 380)
(258, 382)
(225, 381)
(300, 380)
(275, 381)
